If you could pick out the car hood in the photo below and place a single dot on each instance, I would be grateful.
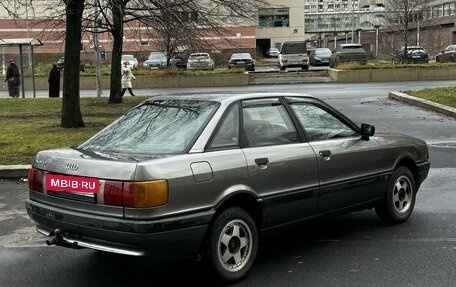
(78, 162)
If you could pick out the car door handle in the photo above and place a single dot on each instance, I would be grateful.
(325, 153)
(262, 162)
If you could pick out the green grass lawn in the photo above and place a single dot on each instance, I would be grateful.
(31, 125)
(444, 96)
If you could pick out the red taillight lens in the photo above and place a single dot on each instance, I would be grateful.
(112, 192)
(35, 180)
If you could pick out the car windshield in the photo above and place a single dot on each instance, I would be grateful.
(156, 56)
(323, 51)
(241, 56)
(127, 57)
(156, 127)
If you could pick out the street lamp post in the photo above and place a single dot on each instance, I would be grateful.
(28, 32)
(377, 27)
(353, 21)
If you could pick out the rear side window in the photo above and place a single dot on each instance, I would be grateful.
(228, 133)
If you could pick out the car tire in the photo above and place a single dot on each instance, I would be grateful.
(400, 197)
(232, 245)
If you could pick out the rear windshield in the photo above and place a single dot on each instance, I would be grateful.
(156, 127)
(293, 48)
(351, 47)
(199, 56)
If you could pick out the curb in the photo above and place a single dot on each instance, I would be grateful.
(13, 171)
(449, 111)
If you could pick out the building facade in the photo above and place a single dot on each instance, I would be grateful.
(325, 23)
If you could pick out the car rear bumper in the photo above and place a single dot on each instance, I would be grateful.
(181, 234)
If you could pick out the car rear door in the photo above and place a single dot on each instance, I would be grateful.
(281, 168)
(350, 171)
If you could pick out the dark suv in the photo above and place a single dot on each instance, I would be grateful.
(348, 53)
(414, 55)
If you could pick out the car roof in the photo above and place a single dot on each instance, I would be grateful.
(350, 45)
(413, 47)
(228, 97)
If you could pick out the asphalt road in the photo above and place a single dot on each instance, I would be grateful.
(349, 250)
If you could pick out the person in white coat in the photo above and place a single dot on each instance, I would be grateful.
(127, 75)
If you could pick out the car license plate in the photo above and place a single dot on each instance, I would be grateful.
(241, 62)
(65, 183)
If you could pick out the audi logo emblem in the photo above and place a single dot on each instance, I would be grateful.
(72, 166)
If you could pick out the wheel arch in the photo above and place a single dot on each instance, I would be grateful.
(246, 200)
(411, 165)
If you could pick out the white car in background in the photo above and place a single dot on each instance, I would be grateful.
(132, 61)
(200, 61)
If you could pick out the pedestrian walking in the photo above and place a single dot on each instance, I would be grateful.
(127, 75)
(13, 79)
(54, 82)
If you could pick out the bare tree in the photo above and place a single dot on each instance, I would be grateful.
(402, 17)
(169, 19)
(184, 21)
(71, 111)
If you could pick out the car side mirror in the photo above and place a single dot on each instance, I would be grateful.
(367, 131)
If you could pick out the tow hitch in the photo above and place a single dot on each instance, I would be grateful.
(57, 239)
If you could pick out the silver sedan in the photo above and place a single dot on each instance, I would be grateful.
(206, 174)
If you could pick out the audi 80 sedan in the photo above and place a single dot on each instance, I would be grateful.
(207, 174)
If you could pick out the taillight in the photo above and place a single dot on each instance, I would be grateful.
(112, 192)
(35, 180)
(134, 194)
(145, 194)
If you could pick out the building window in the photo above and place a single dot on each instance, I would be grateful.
(274, 17)
(143, 42)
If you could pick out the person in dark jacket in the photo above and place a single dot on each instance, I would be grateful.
(12, 77)
(54, 82)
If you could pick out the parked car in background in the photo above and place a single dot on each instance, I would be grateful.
(348, 53)
(447, 55)
(414, 55)
(179, 61)
(205, 174)
(242, 60)
(320, 56)
(132, 61)
(293, 54)
(200, 61)
(273, 53)
(61, 64)
(156, 60)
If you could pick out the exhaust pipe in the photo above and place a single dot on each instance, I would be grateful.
(57, 239)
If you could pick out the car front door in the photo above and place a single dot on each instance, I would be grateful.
(281, 168)
(349, 170)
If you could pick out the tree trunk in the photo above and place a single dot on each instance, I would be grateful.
(117, 9)
(71, 109)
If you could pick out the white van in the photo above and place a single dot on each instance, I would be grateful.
(293, 54)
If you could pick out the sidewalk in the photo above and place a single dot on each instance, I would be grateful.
(20, 171)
